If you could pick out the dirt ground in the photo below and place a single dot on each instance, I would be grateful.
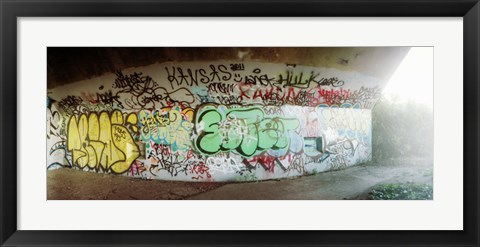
(352, 183)
(69, 184)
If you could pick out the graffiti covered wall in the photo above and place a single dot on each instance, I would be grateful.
(217, 121)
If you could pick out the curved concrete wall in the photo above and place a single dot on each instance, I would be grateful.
(213, 121)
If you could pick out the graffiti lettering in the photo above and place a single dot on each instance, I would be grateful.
(256, 78)
(70, 101)
(199, 169)
(167, 126)
(237, 66)
(178, 77)
(333, 81)
(244, 130)
(223, 164)
(296, 80)
(364, 94)
(228, 100)
(162, 157)
(135, 81)
(142, 92)
(101, 141)
(53, 123)
(267, 162)
(334, 96)
(221, 88)
(102, 98)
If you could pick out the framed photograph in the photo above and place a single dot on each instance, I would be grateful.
(239, 123)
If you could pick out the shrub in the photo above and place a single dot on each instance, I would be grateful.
(401, 129)
(407, 191)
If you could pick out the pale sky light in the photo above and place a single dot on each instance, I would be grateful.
(413, 79)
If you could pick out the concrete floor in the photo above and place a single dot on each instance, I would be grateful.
(351, 183)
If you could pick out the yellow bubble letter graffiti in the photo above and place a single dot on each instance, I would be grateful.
(101, 141)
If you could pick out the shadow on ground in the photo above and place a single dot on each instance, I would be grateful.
(352, 183)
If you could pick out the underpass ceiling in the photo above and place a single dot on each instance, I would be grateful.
(71, 64)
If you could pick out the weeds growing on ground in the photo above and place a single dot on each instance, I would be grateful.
(407, 191)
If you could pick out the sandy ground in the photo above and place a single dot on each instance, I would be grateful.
(351, 183)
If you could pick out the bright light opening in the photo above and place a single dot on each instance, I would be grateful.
(413, 79)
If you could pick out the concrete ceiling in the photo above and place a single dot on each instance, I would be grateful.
(71, 64)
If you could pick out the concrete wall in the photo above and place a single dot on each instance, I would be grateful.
(213, 121)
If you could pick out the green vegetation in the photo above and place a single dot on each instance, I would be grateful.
(402, 133)
(401, 130)
(407, 191)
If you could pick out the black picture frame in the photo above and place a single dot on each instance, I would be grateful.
(10, 10)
